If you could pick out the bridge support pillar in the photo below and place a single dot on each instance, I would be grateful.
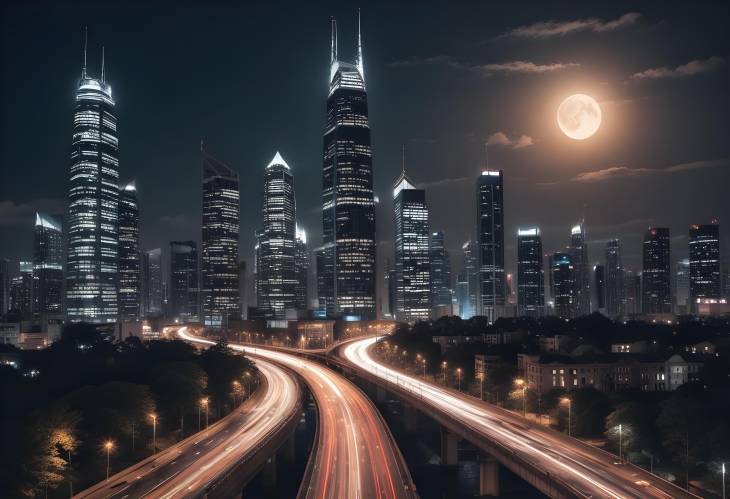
(289, 449)
(488, 476)
(381, 395)
(410, 418)
(449, 449)
(269, 477)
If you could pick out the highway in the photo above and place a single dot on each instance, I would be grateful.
(589, 471)
(189, 467)
(355, 455)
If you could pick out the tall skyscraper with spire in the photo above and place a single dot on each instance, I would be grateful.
(490, 244)
(346, 262)
(221, 225)
(93, 204)
(276, 285)
(130, 291)
(581, 268)
(412, 259)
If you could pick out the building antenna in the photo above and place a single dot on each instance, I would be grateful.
(359, 47)
(486, 155)
(102, 63)
(403, 159)
(86, 42)
(333, 48)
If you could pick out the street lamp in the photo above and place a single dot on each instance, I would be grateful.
(108, 445)
(236, 389)
(620, 443)
(481, 386)
(154, 433)
(204, 403)
(567, 400)
(443, 368)
(521, 382)
(723, 480)
(458, 374)
(423, 361)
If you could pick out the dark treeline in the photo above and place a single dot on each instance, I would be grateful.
(63, 404)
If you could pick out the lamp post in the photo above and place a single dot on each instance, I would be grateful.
(481, 386)
(458, 374)
(723, 481)
(424, 368)
(521, 382)
(566, 400)
(108, 445)
(154, 433)
(204, 402)
(443, 368)
(620, 443)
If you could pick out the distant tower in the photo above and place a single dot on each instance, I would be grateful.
(184, 289)
(615, 290)
(277, 278)
(705, 280)
(490, 244)
(412, 260)
(599, 288)
(152, 283)
(530, 274)
(681, 287)
(220, 228)
(563, 285)
(48, 264)
(579, 257)
(470, 277)
(655, 277)
(346, 261)
(93, 204)
(129, 257)
(301, 270)
(441, 293)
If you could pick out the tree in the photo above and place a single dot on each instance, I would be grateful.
(636, 418)
(179, 386)
(682, 423)
(589, 410)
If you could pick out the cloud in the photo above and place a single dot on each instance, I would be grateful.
(511, 67)
(501, 139)
(12, 213)
(547, 29)
(444, 182)
(618, 172)
(690, 69)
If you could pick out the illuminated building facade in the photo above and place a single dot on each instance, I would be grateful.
(151, 263)
(599, 288)
(469, 282)
(301, 270)
(615, 290)
(490, 244)
(48, 265)
(579, 257)
(22, 287)
(276, 265)
(221, 212)
(346, 261)
(184, 299)
(412, 259)
(563, 285)
(655, 277)
(530, 274)
(93, 205)
(704, 262)
(130, 282)
(441, 293)
(681, 287)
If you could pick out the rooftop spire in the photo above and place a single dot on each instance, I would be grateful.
(333, 50)
(86, 41)
(359, 61)
(102, 63)
(403, 159)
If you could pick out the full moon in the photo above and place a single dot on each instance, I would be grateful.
(579, 116)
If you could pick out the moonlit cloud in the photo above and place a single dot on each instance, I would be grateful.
(548, 29)
(12, 213)
(511, 67)
(690, 69)
(502, 139)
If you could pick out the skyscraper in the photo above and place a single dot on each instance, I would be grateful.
(412, 260)
(563, 285)
(48, 264)
(615, 290)
(704, 262)
(632, 291)
(129, 259)
(301, 270)
(221, 209)
(184, 294)
(93, 204)
(277, 278)
(490, 244)
(22, 299)
(461, 295)
(441, 293)
(530, 274)
(655, 277)
(579, 257)
(470, 275)
(599, 288)
(346, 261)
(4, 286)
(152, 283)
(681, 287)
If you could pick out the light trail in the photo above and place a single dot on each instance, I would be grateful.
(590, 471)
(355, 456)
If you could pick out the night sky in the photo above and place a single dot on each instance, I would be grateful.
(442, 78)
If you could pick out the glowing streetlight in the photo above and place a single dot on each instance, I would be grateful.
(566, 400)
(723, 481)
(108, 445)
(154, 433)
(423, 361)
(521, 383)
(458, 374)
(443, 369)
(620, 443)
(236, 389)
(204, 403)
(481, 386)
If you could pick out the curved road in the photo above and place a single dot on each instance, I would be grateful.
(188, 467)
(355, 455)
(590, 471)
